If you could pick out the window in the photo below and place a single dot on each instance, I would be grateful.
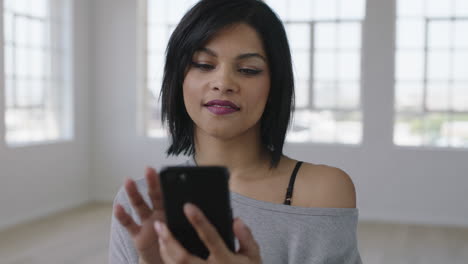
(161, 18)
(432, 73)
(37, 80)
(325, 39)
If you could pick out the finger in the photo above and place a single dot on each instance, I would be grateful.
(126, 220)
(154, 189)
(171, 250)
(136, 200)
(205, 230)
(247, 244)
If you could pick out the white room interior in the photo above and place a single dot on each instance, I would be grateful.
(394, 184)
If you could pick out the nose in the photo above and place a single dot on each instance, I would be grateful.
(224, 81)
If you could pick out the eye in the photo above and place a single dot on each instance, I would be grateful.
(250, 72)
(247, 71)
(203, 66)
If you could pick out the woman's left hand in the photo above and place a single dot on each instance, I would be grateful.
(173, 252)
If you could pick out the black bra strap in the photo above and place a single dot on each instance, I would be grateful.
(289, 192)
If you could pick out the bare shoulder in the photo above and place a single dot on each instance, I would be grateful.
(325, 186)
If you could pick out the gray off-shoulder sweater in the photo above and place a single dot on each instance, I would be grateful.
(286, 234)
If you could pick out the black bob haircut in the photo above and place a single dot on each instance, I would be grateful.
(195, 29)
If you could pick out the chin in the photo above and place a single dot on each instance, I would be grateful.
(223, 133)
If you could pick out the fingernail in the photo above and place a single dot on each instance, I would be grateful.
(191, 209)
(158, 227)
(161, 229)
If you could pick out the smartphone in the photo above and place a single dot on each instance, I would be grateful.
(208, 189)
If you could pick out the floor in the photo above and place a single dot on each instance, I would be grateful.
(64, 238)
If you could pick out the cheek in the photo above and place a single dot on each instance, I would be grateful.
(189, 90)
(261, 95)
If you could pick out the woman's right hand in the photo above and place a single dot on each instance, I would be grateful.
(144, 236)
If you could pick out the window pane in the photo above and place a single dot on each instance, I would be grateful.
(326, 9)
(325, 66)
(461, 8)
(460, 69)
(460, 96)
(459, 130)
(461, 34)
(325, 94)
(410, 8)
(177, 9)
(36, 93)
(409, 65)
(348, 127)
(439, 65)
(22, 31)
(433, 125)
(280, 7)
(408, 130)
(8, 27)
(39, 8)
(37, 34)
(438, 8)
(300, 10)
(438, 96)
(409, 96)
(349, 36)
(325, 35)
(302, 88)
(37, 63)
(299, 36)
(9, 95)
(352, 9)
(439, 34)
(155, 66)
(157, 11)
(9, 60)
(410, 33)
(19, 6)
(22, 62)
(323, 127)
(348, 95)
(301, 64)
(349, 66)
(157, 38)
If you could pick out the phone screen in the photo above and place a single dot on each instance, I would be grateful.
(207, 188)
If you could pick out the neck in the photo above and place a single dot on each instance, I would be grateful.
(240, 155)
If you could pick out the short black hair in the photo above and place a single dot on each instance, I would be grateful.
(196, 28)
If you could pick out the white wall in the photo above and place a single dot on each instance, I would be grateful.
(38, 180)
(393, 184)
(118, 151)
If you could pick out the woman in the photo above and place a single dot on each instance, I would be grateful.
(227, 97)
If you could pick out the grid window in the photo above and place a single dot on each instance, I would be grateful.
(35, 72)
(432, 74)
(325, 40)
(161, 18)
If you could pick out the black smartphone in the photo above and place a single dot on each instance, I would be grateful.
(208, 189)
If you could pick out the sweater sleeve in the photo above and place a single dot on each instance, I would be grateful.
(121, 249)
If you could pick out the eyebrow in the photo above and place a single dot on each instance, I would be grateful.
(239, 57)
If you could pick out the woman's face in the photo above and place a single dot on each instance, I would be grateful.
(226, 87)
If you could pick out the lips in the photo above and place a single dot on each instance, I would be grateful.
(221, 107)
(222, 103)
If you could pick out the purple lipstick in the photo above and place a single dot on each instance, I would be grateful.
(221, 107)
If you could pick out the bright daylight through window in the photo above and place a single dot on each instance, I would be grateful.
(37, 96)
(432, 73)
(325, 39)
